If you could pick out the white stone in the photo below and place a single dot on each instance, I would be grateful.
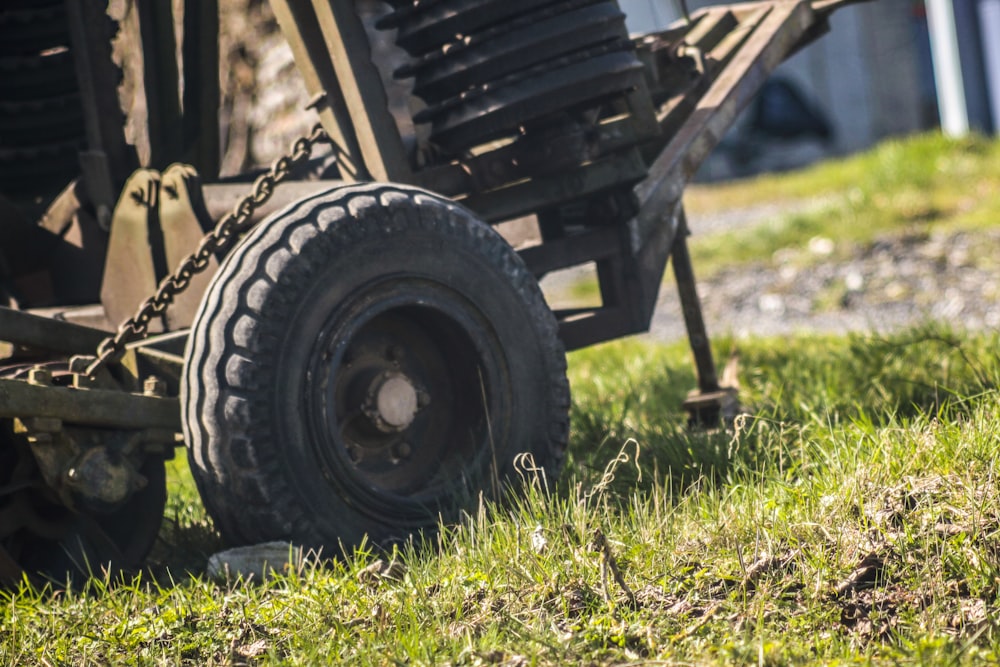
(257, 561)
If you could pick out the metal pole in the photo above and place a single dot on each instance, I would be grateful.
(680, 258)
(947, 68)
(989, 27)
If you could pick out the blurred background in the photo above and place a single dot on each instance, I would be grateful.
(887, 68)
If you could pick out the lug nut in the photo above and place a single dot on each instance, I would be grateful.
(40, 376)
(423, 399)
(401, 451)
(154, 386)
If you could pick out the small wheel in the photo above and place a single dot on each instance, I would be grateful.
(43, 538)
(364, 363)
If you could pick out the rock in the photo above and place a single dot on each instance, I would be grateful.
(381, 569)
(257, 561)
(822, 246)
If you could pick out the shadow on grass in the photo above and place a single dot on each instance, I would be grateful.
(790, 388)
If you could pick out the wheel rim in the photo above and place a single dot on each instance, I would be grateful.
(405, 390)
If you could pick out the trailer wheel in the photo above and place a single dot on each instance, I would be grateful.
(43, 538)
(365, 362)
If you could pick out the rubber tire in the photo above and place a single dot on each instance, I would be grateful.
(262, 471)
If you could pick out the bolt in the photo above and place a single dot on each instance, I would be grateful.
(154, 386)
(400, 451)
(40, 376)
(354, 455)
(423, 399)
(394, 353)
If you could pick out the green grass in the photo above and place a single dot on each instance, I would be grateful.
(911, 186)
(853, 519)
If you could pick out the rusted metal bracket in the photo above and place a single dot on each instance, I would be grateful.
(90, 468)
(183, 222)
(129, 274)
(158, 220)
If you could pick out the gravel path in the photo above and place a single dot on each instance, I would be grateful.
(890, 285)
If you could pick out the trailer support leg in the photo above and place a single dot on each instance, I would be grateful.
(710, 402)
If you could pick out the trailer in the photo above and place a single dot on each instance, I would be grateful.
(351, 359)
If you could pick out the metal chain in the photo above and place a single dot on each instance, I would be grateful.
(226, 230)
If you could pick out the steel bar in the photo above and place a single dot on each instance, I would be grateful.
(91, 407)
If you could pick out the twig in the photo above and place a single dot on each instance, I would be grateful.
(600, 544)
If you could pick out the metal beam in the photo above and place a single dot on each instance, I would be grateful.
(200, 57)
(160, 81)
(947, 68)
(694, 322)
(298, 23)
(108, 159)
(91, 407)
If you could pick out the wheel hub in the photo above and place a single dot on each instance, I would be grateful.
(392, 402)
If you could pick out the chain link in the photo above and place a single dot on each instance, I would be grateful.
(229, 227)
